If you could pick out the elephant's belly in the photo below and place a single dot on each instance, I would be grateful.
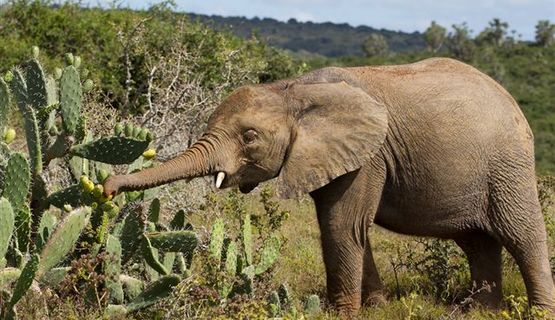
(445, 221)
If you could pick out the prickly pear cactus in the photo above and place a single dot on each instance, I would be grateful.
(63, 239)
(70, 98)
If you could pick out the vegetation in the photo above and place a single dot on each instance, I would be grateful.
(67, 252)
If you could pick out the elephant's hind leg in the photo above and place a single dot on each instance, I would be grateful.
(484, 257)
(517, 221)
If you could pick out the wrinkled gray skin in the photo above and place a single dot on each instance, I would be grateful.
(435, 148)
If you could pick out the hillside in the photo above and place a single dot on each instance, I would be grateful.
(327, 39)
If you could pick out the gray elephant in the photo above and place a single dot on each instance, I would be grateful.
(434, 148)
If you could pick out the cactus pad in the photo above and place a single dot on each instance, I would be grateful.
(7, 219)
(174, 241)
(154, 292)
(17, 180)
(54, 276)
(132, 230)
(131, 286)
(231, 258)
(47, 224)
(25, 279)
(247, 238)
(217, 239)
(18, 88)
(8, 276)
(112, 269)
(23, 227)
(32, 134)
(36, 85)
(312, 305)
(150, 255)
(112, 150)
(269, 254)
(71, 195)
(4, 102)
(154, 211)
(63, 239)
(70, 98)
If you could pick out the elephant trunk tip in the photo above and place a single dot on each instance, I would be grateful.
(111, 186)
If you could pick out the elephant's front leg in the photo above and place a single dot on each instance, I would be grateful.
(346, 208)
(372, 286)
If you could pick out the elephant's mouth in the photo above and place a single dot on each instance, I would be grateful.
(246, 188)
(221, 182)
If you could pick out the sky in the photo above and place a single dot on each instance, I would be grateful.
(403, 15)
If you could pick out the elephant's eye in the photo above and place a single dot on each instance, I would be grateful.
(249, 136)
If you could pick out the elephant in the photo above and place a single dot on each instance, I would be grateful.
(434, 148)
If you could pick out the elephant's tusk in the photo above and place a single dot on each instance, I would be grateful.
(219, 179)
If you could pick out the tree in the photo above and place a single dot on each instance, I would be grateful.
(375, 45)
(435, 36)
(459, 43)
(494, 34)
(545, 33)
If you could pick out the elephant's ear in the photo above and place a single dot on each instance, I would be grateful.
(339, 128)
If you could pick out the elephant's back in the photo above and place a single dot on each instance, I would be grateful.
(451, 98)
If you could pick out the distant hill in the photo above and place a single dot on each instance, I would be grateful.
(327, 39)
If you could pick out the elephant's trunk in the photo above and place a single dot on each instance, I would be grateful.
(199, 160)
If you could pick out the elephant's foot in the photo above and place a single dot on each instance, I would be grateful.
(347, 306)
(373, 298)
(487, 294)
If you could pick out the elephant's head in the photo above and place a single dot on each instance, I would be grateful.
(306, 132)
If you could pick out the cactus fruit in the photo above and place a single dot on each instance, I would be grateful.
(9, 135)
(8, 76)
(57, 73)
(69, 58)
(7, 223)
(88, 85)
(149, 154)
(154, 292)
(112, 150)
(86, 183)
(118, 129)
(128, 130)
(97, 191)
(64, 237)
(76, 62)
(217, 239)
(17, 180)
(70, 99)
